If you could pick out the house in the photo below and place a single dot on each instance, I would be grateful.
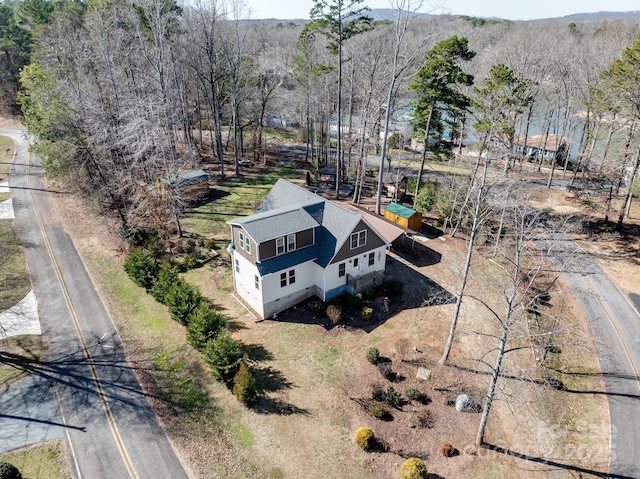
(192, 184)
(405, 217)
(298, 245)
(541, 146)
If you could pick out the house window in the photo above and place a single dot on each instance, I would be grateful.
(256, 282)
(247, 244)
(355, 262)
(372, 258)
(283, 280)
(358, 239)
(291, 242)
(237, 266)
(292, 276)
(341, 270)
(279, 245)
(241, 237)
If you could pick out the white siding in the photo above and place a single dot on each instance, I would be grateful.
(305, 277)
(332, 280)
(245, 283)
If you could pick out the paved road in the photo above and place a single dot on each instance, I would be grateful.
(615, 326)
(109, 426)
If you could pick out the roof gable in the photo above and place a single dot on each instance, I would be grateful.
(289, 208)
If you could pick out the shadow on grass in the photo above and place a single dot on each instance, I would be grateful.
(554, 463)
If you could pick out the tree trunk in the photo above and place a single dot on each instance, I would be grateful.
(426, 147)
(488, 400)
(467, 265)
(627, 196)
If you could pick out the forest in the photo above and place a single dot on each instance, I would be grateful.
(118, 93)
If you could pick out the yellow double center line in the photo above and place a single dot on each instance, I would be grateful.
(83, 344)
(627, 353)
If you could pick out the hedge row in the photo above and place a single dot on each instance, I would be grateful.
(206, 328)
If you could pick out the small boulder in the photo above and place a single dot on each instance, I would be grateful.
(463, 403)
(424, 374)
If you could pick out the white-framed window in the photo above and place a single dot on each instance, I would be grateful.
(342, 268)
(372, 258)
(279, 245)
(292, 276)
(256, 281)
(247, 244)
(237, 266)
(241, 238)
(358, 239)
(291, 242)
(355, 262)
(283, 280)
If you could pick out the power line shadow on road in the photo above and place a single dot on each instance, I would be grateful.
(40, 421)
(553, 463)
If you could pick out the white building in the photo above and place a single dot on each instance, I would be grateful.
(298, 245)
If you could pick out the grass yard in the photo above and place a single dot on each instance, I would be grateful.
(6, 155)
(43, 461)
(22, 352)
(14, 275)
(233, 198)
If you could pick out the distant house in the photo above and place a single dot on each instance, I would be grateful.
(541, 146)
(192, 184)
(405, 217)
(298, 245)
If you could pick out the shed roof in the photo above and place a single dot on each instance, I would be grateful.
(187, 177)
(400, 210)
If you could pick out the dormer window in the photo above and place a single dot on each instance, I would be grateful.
(358, 239)
(279, 245)
(291, 242)
(245, 242)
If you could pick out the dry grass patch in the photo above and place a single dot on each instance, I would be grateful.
(43, 461)
(19, 353)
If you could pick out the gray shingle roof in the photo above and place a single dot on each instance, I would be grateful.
(289, 208)
(273, 224)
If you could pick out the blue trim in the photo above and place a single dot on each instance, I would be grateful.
(335, 292)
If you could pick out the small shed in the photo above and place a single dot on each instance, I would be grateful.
(405, 217)
(193, 184)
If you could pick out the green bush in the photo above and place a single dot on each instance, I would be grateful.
(426, 197)
(413, 468)
(392, 397)
(167, 276)
(9, 471)
(141, 268)
(365, 439)
(204, 325)
(367, 312)
(373, 355)
(394, 288)
(354, 302)
(377, 411)
(223, 355)
(183, 300)
(412, 393)
(189, 261)
(244, 385)
(369, 293)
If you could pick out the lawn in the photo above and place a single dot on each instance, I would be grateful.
(43, 461)
(233, 198)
